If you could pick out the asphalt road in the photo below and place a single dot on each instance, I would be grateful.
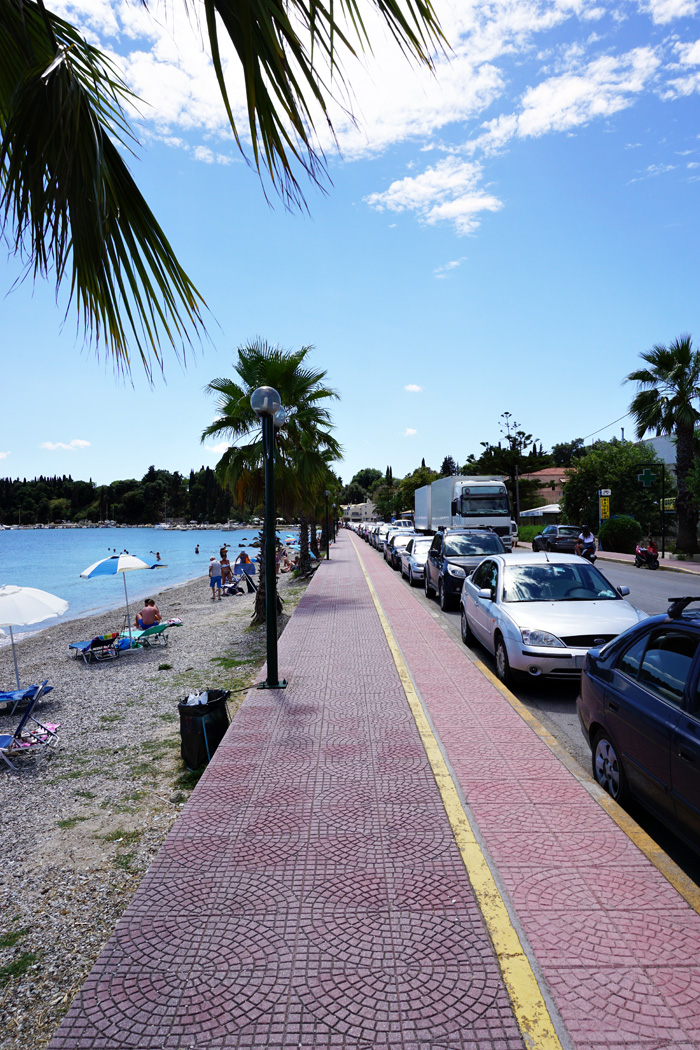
(554, 703)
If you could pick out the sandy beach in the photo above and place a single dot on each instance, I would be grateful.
(81, 827)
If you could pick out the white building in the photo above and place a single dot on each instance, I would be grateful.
(359, 511)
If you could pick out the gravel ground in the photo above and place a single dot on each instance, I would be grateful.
(80, 827)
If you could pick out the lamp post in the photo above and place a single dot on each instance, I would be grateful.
(335, 523)
(328, 540)
(266, 403)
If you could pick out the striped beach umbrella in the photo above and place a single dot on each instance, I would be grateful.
(120, 563)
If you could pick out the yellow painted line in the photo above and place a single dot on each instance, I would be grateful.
(528, 1003)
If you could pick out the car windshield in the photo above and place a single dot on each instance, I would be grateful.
(568, 530)
(484, 506)
(466, 546)
(401, 541)
(555, 583)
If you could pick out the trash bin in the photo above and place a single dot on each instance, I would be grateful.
(203, 723)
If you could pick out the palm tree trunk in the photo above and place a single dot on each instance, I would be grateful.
(313, 540)
(304, 559)
(258, 616)
(687, 541)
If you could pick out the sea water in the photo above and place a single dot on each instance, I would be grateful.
(52, 560)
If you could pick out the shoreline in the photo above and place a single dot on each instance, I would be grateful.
(81, 827)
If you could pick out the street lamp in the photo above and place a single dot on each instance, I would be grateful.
(266, 403)
(328, 542)
(335, 523)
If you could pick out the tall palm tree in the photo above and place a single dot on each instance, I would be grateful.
(303, 447)
(666, 403)
(67, 201)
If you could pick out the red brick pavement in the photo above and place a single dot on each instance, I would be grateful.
(311, 894)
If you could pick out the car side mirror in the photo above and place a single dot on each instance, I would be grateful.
(486, 593)
(453, 507)
(623, 591)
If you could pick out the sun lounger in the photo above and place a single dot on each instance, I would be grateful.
(14, 698)
(151, 637)
(30, 737)
(103, 647)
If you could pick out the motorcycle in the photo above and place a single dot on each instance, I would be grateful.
(646, 558)
(587, 551)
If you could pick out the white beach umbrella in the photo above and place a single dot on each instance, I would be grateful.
(22, 606)
(122, 563)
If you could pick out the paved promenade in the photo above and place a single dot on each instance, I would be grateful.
(386, 854)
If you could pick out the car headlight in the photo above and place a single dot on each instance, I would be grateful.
(456, 570)
(541, 638)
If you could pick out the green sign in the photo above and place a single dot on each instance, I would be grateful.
(646, 478)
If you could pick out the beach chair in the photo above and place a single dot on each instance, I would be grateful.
(30, 738)
(14, 698)
(246, 569)
(152, 637)
(103, 647)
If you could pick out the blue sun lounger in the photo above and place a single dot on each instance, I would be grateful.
(103, 647)
(15, 698)
(150, 637)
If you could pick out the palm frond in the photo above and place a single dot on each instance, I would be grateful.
(69, 203)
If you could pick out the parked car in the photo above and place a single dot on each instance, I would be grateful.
(540, 613)
(379, 534)
(640, 713)
(453, 554)
(557, 538)
(394, 546)
(413, 558)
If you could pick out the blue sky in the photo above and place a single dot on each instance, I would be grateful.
(507, 235)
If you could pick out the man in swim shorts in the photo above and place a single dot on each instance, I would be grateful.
(215, 577)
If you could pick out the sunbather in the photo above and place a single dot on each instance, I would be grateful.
(149, 615)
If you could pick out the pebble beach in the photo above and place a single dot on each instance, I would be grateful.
(81, 826)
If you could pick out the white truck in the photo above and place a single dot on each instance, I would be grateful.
(465, 502)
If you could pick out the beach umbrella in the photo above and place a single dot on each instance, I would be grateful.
(120, 563)
(22, 606)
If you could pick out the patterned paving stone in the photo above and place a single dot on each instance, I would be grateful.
(311, 895)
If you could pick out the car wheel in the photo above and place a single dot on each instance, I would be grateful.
(445, 600)
(503, 671)
(429, 592)
(535, 546)
(467, 636)
(411, 581)
(608, 769)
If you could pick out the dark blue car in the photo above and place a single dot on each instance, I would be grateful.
(640, 712)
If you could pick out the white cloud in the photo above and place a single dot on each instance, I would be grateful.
(218, 450)
(449, 191)
(409, 432)
(664, 11)
(54, 446)
(413, 388)
(441, 272)
(4, 455)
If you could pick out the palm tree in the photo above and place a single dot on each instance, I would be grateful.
(669, 386)
(68, 204)
(303, 447)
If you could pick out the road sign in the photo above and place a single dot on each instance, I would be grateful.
(604, 508)
(605, 492)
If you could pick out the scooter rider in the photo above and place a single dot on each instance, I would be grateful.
(585, 545)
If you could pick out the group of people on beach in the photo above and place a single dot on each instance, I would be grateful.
(221, 575)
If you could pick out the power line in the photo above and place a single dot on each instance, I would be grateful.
(607, 426)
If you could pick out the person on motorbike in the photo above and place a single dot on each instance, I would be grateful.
(585, 544)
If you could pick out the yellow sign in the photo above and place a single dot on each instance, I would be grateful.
(669, 503)
(604, 507)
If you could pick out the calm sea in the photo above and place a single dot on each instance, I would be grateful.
(52, 559)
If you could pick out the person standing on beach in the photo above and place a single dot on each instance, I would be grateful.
(215, 577)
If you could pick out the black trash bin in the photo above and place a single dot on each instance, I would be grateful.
(202, 727)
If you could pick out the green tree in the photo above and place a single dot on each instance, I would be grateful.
(566, 453)
(669, 388)
(407, 486)
(449, 467)
(614, 465)
(306, 437)
(511, 458)
(69, 203)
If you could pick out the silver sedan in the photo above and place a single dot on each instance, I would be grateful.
(540, 613)
(413, 558)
